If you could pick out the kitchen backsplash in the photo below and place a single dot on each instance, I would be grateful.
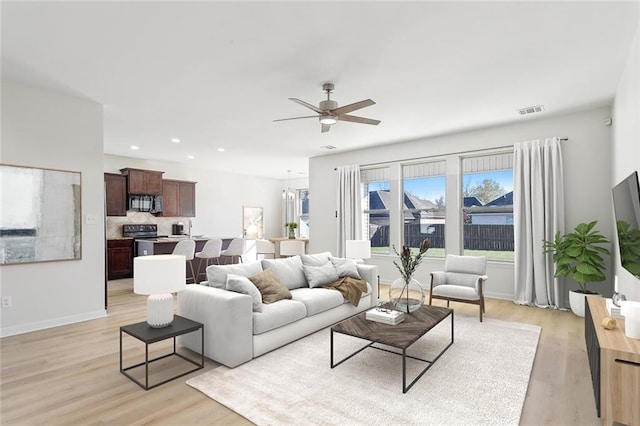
(114, 223)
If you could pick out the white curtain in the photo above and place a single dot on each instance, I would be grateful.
(349, 206)
(538, 210)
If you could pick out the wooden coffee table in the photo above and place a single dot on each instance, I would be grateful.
(400, 336)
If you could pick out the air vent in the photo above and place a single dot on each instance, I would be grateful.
(328, 147)
(530, 110)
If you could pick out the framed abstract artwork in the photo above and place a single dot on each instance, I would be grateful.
(41, 215)
(252, 223)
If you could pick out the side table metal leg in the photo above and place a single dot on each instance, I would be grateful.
(146, 366)
(121, 351)
(404, 371)
(331, 347)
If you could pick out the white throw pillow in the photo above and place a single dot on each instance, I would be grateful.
(317, 259)
(243, 285)
(346, 267)
(217, 274)
(320, 275)
(288, 270)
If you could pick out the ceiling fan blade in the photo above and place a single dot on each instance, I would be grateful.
(361, 120)
(326, 128)
(296, 118)
(352, 107)
(308, 105)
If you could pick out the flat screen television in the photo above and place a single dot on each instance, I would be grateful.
(626, 204)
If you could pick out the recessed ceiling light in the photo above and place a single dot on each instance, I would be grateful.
(175, 140)
(220, 149)
(134, 147)
(190, 157)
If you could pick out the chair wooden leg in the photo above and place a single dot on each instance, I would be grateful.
(480, 306)
(193, 275)
(447, 303)
(199, 266)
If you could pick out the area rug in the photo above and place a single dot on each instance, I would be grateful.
(481, 379)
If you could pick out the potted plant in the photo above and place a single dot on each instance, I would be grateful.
(578, 254)
(401, 288)
(292, 227)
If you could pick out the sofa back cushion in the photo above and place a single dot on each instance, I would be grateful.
(217, 274)
(289, 271)
(318, 276)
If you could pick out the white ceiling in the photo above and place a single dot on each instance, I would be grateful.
(215, 74)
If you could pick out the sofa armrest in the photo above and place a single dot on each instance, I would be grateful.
(228, 323)
(369, 273)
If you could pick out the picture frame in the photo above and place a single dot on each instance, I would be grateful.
(41, 217)
(253, 223)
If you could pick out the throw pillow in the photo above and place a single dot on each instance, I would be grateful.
(346, 267)
(241, 284)
(270, 286)
(288, 270)
(217, 274)
(318, 259)
(320, 275)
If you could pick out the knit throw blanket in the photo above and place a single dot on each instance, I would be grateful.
(351, 288)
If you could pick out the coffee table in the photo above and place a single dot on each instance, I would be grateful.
(400, 336)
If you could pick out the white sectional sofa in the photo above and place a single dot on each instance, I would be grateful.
(238, 327)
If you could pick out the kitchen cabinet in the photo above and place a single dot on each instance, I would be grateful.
(143, 182)
(115, 187)
(119, 258)
(178, 198)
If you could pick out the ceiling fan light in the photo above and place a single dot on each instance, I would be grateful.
(328, 119)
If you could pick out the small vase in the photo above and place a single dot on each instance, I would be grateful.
(292, 234)
(406, 297)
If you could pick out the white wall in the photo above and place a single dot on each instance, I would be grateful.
(220, 196)
(626, 145)
(41, 128)
(587, 167)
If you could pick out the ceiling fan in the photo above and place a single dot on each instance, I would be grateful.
(329, 113)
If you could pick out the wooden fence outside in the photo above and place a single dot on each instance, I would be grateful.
(476, 237)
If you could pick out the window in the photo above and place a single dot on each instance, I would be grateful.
(424, 205)
(303, 213)
(376, 196)
(487, 191)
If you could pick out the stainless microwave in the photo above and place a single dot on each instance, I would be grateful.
(145, 203)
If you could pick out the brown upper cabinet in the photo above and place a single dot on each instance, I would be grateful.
(115, 187)
(143, 182)
(178, 198)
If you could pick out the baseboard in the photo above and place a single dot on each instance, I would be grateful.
(503, 296)
(56, 322)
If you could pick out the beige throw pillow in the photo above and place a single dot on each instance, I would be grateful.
(270, 286)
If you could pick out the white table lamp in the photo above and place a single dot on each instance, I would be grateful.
(159, 276)
(358, 249)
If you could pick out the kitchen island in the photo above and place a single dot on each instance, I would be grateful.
(165, 245)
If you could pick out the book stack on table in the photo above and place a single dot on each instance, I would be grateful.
(385, 316)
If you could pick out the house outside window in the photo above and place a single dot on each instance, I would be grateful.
(424, 205)
(487, 212)
(303, 212)
(376, 196)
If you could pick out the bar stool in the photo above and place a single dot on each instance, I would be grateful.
(265, 247)
(235, 249)
(291, 248)
(187, 249)
(211, 250)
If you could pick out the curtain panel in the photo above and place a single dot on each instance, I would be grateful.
(538, 210)
(349, 206)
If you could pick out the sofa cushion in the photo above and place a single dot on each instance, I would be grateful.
(346, 267)
(241, 284)
(318, 276)
(317, 259)
(278, 314)
(317, 300)
(270, 286)
(217, 274)
(288, 270)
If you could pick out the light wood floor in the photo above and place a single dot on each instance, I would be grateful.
(70, 375)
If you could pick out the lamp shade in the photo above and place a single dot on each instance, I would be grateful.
(159, 274)
(358, 249)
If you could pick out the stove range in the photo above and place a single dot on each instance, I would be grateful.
(141, 231)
